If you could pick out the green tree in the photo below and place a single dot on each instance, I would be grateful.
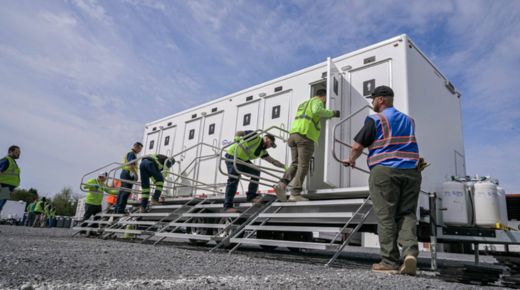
(23, 194)
(65, 203)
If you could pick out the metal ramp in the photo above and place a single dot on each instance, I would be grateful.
(97, 223)
(206, 222)
(279, 225)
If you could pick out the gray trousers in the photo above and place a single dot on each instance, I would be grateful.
(302, 149)
(394, 194)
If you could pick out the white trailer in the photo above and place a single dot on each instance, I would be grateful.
(13, 210)
(421, 91)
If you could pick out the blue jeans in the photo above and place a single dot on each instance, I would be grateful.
(149, 169)
(232, 183)
(124, 193)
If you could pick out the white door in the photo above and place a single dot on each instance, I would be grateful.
(247, 116)
(276, 113)
(211, 134)
(152, 143)
(168, 141)
(188, 161)
(362, 82)
(332, 167)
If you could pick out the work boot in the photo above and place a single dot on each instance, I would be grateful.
(142, 209)
(297, 198)
(409, 266)
(385, 268)
(231, 210)
(257, 199)
(280, 191)
(155, 202)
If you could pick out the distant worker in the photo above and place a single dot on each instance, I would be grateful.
(304, 133)
(128, 173)
(39, 212)
(249, 146)
(9, 174)
(156, 167)
(95, 188)
(30, 213)
(394, 181)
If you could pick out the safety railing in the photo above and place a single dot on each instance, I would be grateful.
(261, 169)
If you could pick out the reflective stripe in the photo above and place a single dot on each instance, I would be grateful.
(143, 196)
(374, 159)
(316, 124)
(384, 125)
(146, 190)
(395, 140)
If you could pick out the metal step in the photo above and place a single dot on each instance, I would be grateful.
(357, 201)
(86, 229)
(211, 214)
(171, 206)
(148, 223)
(110, 215)
(307, 215)
(294, 229)
(284, 243)
(219, 205)
(184, 236)
(150, 214)
(137, 232)
(194, 225)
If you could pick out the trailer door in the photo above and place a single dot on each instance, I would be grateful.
(362, 82)
(152, 143)
(209, 157)
(332, 167)
(277, 113)
(188, 160)
(168, 141)
(247, 116)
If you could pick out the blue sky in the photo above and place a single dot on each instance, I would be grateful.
(79, 79)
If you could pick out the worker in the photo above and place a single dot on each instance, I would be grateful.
(394, 181)
(95, 188)
(154, 166)
(9, 174)
(304, 134)
(249, 146)
(39, 214)
(30, 213)
(128, 177)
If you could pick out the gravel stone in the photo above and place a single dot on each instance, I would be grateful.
(52, 259)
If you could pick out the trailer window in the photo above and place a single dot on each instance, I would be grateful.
(336, 86)
(166, 140)
(247, 119)
(275, 113)
(192, 134)
(211, 129)
(151, 145)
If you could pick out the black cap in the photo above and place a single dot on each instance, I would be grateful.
(273, 139)
(381, 91)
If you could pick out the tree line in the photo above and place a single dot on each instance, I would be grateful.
(65, 202)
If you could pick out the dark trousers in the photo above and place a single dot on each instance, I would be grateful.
(148, 169)
(232, 183)
(124, 192)
(394, 193)
(91, 210)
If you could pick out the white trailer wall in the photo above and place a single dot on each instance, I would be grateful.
(419, 88)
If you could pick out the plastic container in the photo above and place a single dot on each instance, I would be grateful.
(456, 201)
(487, 209)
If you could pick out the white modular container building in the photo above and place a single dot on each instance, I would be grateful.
(421, 91)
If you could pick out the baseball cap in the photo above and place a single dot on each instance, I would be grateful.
(272, 138)
(381, 91)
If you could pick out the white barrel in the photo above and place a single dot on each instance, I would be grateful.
(487, 212)
(456, 204)
(502, 205)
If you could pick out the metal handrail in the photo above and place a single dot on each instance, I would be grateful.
(262, 169)
(337, 140)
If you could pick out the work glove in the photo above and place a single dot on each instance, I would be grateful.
(336, 114)
(237, 139)
(286, 167)
(422, 164)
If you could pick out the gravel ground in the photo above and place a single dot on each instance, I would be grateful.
(52, 259)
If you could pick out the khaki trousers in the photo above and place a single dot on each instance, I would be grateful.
(302, 150)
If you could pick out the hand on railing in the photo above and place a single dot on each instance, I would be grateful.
(349, 163)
